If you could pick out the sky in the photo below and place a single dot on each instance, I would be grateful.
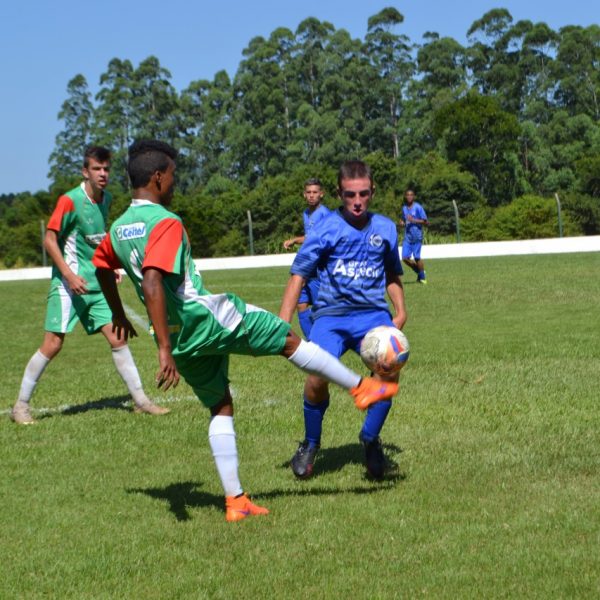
(43, 45)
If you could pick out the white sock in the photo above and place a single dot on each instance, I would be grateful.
(313, 359)
(128, 371)
(33, 371)
(221, 436)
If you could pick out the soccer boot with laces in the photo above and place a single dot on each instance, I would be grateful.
(240, 507)
(374, 457)
(20, 413)
(303, 461)
(371, 390)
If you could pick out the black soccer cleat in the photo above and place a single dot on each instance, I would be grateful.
(303, 461)
(374, 457)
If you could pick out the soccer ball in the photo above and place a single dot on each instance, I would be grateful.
(384, 350)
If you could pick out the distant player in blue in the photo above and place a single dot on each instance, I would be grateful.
(314, 214)
(413, 219)
(356, 254)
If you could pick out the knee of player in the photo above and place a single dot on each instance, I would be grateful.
(316, 388)
(51, 346)
(292, 341)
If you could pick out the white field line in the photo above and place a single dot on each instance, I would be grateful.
(137, 319)
(57, 410)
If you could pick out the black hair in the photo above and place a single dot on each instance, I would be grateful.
(99, 153)
(313, 181)
(145, 158)
(354, 169)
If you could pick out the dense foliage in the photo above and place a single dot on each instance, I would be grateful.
(514, 114)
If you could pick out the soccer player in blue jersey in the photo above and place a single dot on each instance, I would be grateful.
(414, 217)
(356, 252)
(314, 213)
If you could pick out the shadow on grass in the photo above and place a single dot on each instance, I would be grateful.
(115, 403)
(180, 497)
(335, 459)
(185, 495)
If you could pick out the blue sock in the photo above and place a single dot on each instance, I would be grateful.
(422, 275)
(313, 421)
(376, 416)
(305, 322)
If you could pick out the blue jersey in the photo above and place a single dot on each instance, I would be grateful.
(312, 219)
(414, 231)
(351, 263)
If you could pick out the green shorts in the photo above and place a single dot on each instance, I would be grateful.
(65, 309)
(260, 333)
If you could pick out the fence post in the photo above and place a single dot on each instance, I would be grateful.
(250, 233)
(43, 235)
(457, 221)
(560, 225)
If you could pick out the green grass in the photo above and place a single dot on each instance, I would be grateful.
(494, 442)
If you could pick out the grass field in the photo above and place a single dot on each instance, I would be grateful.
(494, 444)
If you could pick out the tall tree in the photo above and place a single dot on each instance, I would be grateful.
(76, 113)
(494, 58)
(264, 106)
(390, 55)
(155, 102)
(114, 116)
(539, 44)
(206, 110)
(578, 70)
(483, 138)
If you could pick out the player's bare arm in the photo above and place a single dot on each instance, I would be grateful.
(395, 293)
(290, 297)
(120, 323)
(77, 283)
(293, 241)
(156, 304)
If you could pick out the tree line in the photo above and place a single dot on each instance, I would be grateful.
(499, 126)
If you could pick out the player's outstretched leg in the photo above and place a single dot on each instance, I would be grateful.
(314, 360)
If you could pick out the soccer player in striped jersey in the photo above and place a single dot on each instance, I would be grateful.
(314, 213)
(357, 255)
(195, 330)
(75, 229)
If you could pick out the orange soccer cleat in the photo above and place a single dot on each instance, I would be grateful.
(371, 390)
(240, 507)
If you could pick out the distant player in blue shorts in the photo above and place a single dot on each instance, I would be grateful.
(413, 219)
(356, 253)
(315, 212)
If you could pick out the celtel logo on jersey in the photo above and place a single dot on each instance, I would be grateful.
(130, 232)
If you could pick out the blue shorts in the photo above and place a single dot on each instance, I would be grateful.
(339, 333)
(411, 249)
(309, 292)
